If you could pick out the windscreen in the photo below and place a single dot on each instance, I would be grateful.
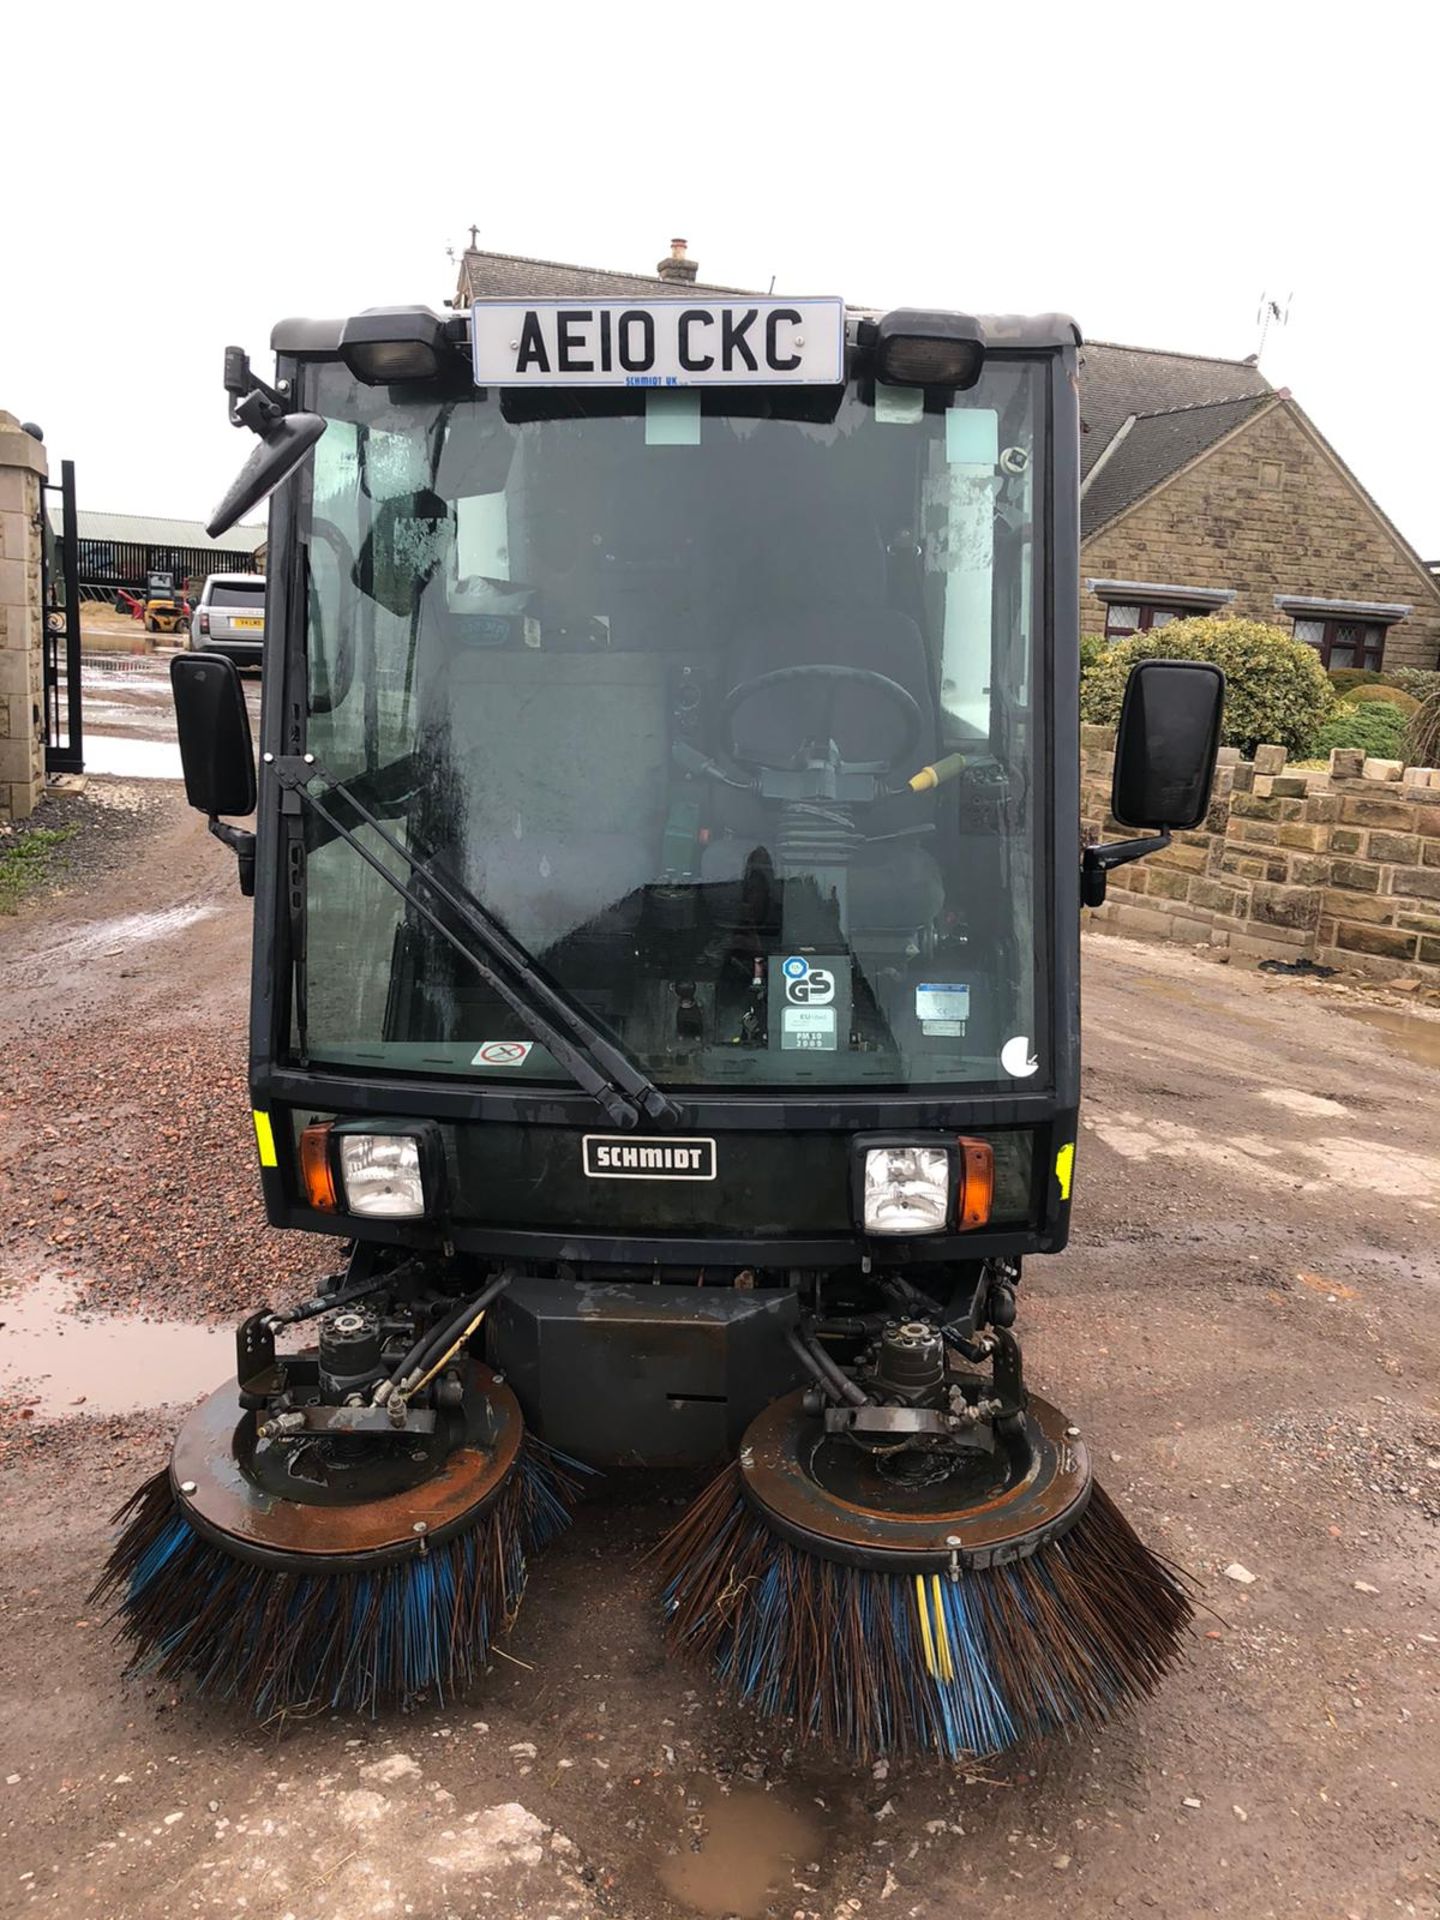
(725, 704)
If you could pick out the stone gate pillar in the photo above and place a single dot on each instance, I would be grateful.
(22, 629)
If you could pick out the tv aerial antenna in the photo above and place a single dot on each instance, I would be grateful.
(1272, 312)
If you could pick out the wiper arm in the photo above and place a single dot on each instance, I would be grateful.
(595, 1063)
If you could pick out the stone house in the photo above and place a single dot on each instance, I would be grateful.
(1203, 488)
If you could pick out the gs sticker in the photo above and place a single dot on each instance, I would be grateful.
(807, 986)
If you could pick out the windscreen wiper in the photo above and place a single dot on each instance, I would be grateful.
(596, 1064)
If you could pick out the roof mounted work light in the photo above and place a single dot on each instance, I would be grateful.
(915, 348)
(387, 345)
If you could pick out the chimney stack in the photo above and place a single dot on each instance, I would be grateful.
(676, 267)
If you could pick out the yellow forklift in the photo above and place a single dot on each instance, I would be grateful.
(166, 608)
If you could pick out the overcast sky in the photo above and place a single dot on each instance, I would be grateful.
(1153, 170)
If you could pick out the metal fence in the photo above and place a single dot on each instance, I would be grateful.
(107, 566)
(64, 726)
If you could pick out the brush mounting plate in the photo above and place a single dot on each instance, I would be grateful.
(834, 1499)
(242, 1494)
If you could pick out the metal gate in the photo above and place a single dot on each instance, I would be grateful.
(64, 730)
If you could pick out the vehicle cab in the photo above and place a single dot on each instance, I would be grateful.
(668, 850)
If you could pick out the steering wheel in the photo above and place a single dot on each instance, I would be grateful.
(900, 698)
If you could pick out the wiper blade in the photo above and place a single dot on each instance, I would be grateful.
(596, 1064)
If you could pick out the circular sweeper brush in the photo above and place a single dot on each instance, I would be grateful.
(944, 1579)
(310, 1559)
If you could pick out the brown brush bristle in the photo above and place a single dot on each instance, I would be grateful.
(1063, 1639)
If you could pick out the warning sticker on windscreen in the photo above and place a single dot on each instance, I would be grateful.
(808, 1030)
(942, 1007)
(503, 1053)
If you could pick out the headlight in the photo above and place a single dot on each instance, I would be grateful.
(382, 1176)
(907, 1190)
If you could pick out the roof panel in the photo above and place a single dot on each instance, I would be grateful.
(151, 532)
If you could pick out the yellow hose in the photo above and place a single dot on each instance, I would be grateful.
(447, 1356)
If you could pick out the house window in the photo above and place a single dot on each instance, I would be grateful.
(1122, 620)
(1344, 643)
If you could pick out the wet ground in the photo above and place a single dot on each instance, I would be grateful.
(129, 722)
(1246, 1327)
(54, 1355)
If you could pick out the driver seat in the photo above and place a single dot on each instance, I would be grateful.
(895, 884)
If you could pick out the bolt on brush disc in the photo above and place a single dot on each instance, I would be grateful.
(825, 1494)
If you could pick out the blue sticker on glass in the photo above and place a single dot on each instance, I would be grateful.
(972, 436)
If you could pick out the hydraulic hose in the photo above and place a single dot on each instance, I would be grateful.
(434, 1342)
(823, 1369)
(327, 1302)
(440, 1337)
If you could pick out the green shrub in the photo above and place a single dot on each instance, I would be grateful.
(1422, 731)
(1373, 725)
(1421, 681)
(1396, 697)
(1346, 679)
(1093, 648)
(1276, 688)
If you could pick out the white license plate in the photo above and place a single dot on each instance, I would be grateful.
(658, 343)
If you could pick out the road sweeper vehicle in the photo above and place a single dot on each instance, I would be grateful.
(667, 881)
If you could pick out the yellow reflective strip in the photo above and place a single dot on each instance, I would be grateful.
(1064, 1167)
(265, 1139)
(942, 1633)
(925, 1624)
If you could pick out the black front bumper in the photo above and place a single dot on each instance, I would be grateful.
(625, 1373)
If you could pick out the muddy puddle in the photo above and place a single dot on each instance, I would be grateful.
(104, 1363)
(132, 758)
(743, 1851)
(1418, 1038)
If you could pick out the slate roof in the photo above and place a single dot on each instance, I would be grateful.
(1178, 403)
(159, 533)
(1117, 381)
(1149, 447)
(518, 276)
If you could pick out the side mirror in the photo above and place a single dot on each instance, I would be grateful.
(217, 757)
(1165, 750)
(284, 445)
(1166, 745)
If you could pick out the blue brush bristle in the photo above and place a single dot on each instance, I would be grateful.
(960, 1665)
(284, 1642)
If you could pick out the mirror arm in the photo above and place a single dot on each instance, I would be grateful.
(258, 411)
(252, 403)
(1098, 861)
(242, 843)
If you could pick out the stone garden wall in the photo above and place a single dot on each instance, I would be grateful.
(1341, 867)
(22, 748)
